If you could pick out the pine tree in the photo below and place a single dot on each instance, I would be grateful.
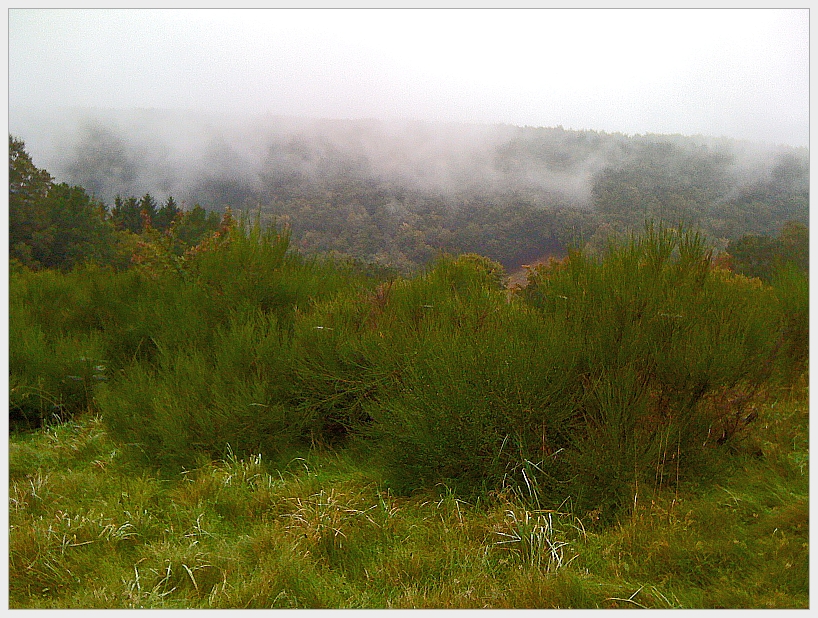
(125, 214)
(166, 215)
(147, 208)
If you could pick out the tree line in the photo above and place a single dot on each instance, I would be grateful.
(349, 213)
(59, 226)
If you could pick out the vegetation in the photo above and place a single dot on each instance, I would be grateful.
(90, 529)
(59, 226)
(232, 423)
(531, 193)
(761, 256)
(398, 194)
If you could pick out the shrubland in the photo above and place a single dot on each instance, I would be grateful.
(244, 426)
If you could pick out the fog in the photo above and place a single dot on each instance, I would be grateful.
(740, 73)
(195, 156)
(175, 101)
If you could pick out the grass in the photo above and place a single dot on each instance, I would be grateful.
(91, 529)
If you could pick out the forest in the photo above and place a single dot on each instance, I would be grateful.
(399, 194)
(319, 387)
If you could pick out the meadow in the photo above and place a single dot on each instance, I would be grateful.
(244, 426)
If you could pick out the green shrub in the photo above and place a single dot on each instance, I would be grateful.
(349, 351)
(255, 268)
(475, 406)
(51, 379)
(338, 364)
(233, 383)
(53, 369)
(791, 286)
(657, 330)
(598, 389)
(603, 378)
(151, 315)
(472, 385)
(199, 402)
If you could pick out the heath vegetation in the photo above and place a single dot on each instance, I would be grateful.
(218, 420)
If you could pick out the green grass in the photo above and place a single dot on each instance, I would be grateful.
(89, 528)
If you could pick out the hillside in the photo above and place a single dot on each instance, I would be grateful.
(397, 194)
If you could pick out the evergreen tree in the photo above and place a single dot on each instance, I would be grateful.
(794, 238)
(166, 215)
(126, 214)
(147, 209)
(77, 230)
(53, 225)
(758, 256)
(196, 224)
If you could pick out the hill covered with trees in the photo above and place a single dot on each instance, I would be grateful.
(398, 194)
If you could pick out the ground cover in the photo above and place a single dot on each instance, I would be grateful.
(89, 528)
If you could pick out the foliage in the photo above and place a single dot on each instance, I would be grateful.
(218, 372)
(661, 181)
(126, 215)
(644, 359)
(195, 225)
(28, 186)
(622, 377)
(193, 403)
(534, 193)
(792, 290)
(655, 332)
(166, 215)
(60, 226)
(53, 225)
(88, 529)
(481, 383)
(531, 194)
(760, 256)
(602, 389)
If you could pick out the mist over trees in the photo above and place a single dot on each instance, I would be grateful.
(59, 226)
(399, 193)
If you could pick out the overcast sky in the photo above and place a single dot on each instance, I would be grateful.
(741, 73)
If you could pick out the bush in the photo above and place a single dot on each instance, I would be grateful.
(474, 406)
(205, 403)
(598, 388)
(791, 286)
(657, 330)
(604, 377)
(51, 378)
(213, 366)
(53, 365)
(472, 385)
(337, 367)
(348, 353)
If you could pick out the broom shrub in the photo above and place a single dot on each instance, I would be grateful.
(234, 386)
(596, 383)
(656, 332)
(53, 366)
(791, 287)
(597, 379)
(206, 402)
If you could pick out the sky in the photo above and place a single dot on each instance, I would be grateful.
(740, 73)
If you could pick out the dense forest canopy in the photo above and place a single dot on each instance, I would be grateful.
(398, 194)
